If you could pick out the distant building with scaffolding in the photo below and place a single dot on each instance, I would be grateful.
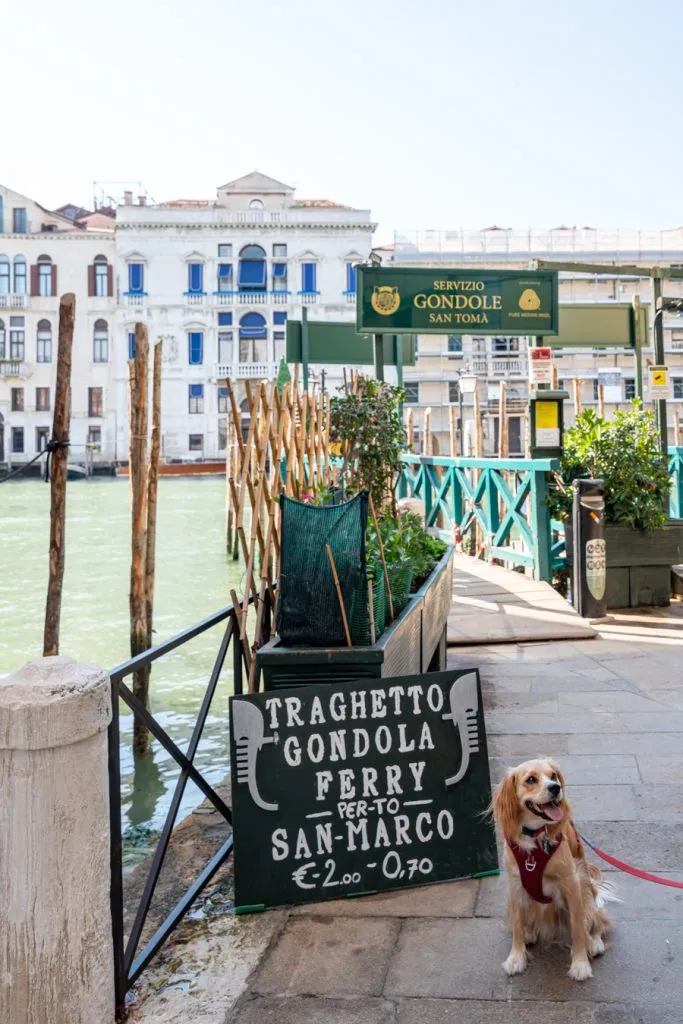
(433, 383)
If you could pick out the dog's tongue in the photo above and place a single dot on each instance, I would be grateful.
(552, 812)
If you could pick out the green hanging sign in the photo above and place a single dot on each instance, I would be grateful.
(397, 300)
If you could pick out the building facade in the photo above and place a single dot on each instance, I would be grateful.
(434, 381)
(217, 281)
(42, 256)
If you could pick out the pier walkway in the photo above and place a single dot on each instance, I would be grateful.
(610, 708)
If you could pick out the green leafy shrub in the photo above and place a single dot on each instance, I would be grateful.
(367, 424)
(623, 452)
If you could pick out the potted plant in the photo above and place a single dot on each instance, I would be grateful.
(642, 543)
(368, 434)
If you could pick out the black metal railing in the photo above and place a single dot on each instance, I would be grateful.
(129, 961)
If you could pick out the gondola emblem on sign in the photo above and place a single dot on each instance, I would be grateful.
(529, 299)
(385, 299)
(464, 705)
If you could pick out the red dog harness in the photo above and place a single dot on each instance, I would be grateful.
(532, 865)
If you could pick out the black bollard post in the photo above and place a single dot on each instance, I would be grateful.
(590, 549)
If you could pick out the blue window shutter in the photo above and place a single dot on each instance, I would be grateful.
(225, 269)
(195, 348)
(279, 318)
(197, 390)
(252, 274)
(222, 392)
(225, 319)
(195, 277)
(131, 344)
(279, 270)
(135, 277)
(351, 278)
(308, 277)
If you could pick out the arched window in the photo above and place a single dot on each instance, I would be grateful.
(100, 342)
(256, 204)
(253, 338)
(19, 275)
(5, 276)
(44, 342)
(101, 279)
(252, 269)
(3, 337)
(44, 276)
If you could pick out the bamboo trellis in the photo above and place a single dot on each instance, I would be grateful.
(286, 450)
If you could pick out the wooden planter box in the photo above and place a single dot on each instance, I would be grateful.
(639, 564)
(415, 642)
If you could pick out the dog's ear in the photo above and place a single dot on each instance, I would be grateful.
(505, 805)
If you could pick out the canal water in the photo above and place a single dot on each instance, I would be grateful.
(193, 579)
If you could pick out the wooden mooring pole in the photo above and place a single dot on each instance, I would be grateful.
(137, 468)
(59, 459)
(152, 489)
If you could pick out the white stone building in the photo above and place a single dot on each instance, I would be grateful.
(217, 280)
(433, 382)
(43, 255)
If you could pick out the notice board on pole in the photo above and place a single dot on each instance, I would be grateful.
(350, 788)
(340, 344)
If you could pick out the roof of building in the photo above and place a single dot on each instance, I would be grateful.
(188, 202)
(72, 212)
(322, 203)
(255, 183)
(100, 220)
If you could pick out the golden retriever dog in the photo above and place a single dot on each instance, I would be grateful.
(556, 895)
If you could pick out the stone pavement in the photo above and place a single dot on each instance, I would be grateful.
(611, 710)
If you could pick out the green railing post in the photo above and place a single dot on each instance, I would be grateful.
(540, 526)
(457, 507)
(493, 510)
(676, 474)
(427, 490)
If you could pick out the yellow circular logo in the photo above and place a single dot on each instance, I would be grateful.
(529, 299)
(385, 299)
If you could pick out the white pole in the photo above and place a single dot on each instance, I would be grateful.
(56, 960)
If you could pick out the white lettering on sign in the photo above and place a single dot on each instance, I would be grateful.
(596, 567)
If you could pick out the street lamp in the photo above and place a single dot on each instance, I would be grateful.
(467, 385)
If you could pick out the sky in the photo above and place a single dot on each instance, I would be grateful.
(431, 113)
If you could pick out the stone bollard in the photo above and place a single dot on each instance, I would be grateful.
(56, 961)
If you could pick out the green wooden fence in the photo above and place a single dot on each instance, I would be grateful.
(504, 497)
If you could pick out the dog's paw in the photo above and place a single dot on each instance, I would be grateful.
(530, 937)
(580, 970)
(596, 947)
(516, 963)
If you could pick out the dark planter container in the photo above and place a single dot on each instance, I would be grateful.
(415, 642)
(638, 563)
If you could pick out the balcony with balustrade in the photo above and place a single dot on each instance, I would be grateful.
(245, 371)
(16, 368)
(13, 301)
(492, 365)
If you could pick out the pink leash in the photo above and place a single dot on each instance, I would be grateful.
(630, 870)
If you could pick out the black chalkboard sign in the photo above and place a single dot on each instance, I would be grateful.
(349, 788)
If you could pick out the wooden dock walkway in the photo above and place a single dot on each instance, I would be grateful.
(493, 605)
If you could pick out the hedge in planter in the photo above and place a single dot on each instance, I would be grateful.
(624, 452)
